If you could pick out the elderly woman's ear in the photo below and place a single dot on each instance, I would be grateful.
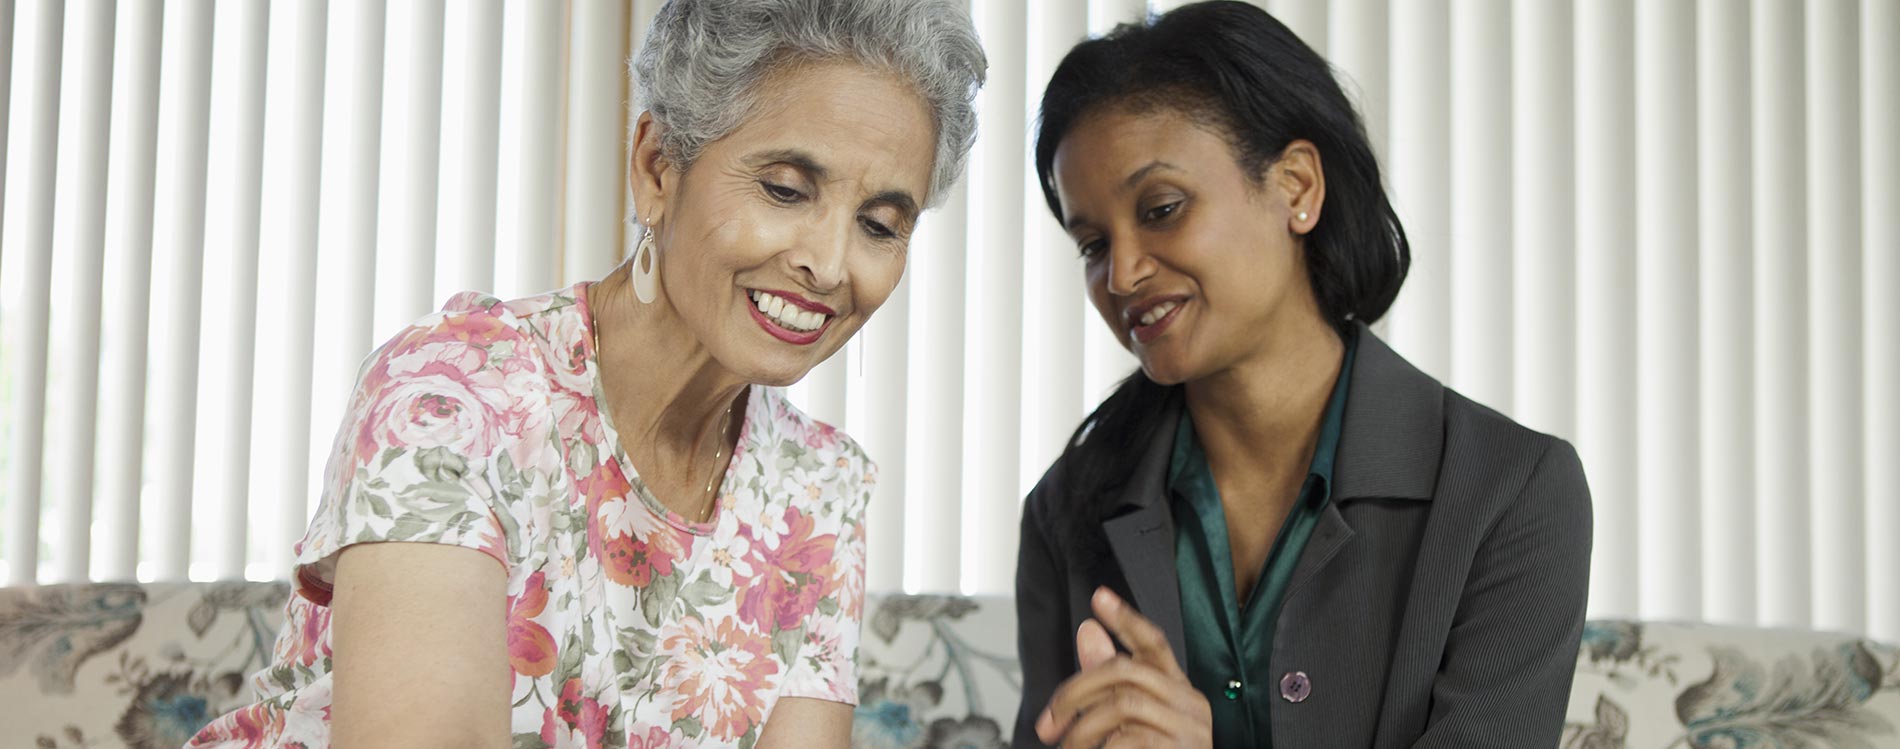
(649, 173)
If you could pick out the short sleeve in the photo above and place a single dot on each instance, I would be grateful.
(435, 427)
(827, 665)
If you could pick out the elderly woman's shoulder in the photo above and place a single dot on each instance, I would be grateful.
(474, 332)
(468, 318)
(805, 439)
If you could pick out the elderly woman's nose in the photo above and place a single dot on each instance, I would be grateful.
(819, 256)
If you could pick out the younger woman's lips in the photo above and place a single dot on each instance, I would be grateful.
(1145, 334)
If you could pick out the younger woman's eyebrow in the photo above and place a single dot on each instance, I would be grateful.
(1133, 179)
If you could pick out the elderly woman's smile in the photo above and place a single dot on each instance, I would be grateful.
(789, 317)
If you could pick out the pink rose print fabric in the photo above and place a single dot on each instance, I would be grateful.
(628, 625)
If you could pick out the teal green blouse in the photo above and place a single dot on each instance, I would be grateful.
(1229, 642)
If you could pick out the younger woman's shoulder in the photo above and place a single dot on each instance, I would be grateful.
(1524, 462)
(1468, 422)
(1106, 448)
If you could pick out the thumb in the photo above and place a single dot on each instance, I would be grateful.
(1093, 646)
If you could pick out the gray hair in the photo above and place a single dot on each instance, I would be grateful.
(703, 61)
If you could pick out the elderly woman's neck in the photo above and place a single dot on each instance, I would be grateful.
(663, 387)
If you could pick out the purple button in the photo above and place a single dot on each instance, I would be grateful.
(1295, 687)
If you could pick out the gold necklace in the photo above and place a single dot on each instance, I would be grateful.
(725, 428)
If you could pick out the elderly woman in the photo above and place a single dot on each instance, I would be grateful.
(590, 518)
(1297, 538)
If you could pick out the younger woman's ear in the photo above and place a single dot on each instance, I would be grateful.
(1300, 181)
(649, 173)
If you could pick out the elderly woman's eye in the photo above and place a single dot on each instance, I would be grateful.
(781, 193)
(1160, 212)
(877, 229)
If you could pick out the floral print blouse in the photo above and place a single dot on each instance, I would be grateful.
(628, 625)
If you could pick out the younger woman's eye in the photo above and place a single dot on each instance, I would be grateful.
(781, 193)
(1160, 212)
(1092, 248)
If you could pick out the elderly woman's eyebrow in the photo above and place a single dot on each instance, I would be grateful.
(902, 200)
(898, 199)
(794, 158)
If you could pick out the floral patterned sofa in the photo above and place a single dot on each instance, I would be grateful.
(109, 665)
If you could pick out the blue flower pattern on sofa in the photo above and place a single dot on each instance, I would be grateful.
(1763, 689)
(83, 669)
(110, 665)
(926, 682)
(51, 634)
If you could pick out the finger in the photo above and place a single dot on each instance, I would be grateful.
(1093, 645)
(1145, 641)
(1083, 691)
(1136, 736)
(1127, 713)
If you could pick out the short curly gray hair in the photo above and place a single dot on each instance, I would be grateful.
(703, 61)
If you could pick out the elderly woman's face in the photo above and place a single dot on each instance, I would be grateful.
(783, 237)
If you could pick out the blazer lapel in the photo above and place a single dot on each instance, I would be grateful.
(1142, 536)
(1394, 428)
(1329, 536)
(1389, 446)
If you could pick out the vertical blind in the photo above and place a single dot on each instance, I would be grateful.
(1669, 232)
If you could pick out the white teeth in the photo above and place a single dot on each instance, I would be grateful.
(1154, 315)
(787, 314)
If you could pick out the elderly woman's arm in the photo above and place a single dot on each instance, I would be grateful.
(799, 722)
(420, 640)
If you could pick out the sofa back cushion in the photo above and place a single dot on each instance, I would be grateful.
(119, 664)
(108, 664)
(1644, 684)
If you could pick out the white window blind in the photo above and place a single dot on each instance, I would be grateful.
(262, 191)
(1669, 232)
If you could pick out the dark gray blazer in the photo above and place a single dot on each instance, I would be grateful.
(1439, 602)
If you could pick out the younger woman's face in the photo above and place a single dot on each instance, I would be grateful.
(1193, 263)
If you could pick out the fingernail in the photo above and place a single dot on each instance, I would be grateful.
(1044, 722)
(1106, 598)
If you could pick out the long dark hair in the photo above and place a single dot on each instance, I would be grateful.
(1230, 65)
